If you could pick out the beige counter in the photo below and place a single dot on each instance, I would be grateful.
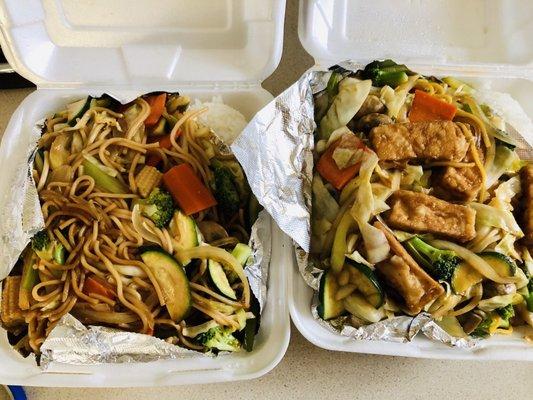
(308, 372)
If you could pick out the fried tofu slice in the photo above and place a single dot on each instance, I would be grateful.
(419, 212)
(11, 314)
(431, 140)
(526, 175)
(461, 184)
(405, 276)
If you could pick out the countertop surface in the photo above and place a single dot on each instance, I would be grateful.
(307, 372)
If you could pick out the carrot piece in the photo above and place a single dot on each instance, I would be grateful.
(97, 286)
(328, 169)
(164, 143)
(188, 190)
(430, 108)
(157, 106)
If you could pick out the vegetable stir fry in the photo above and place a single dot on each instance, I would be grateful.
(420, 204)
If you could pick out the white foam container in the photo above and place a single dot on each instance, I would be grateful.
(201, 48)
(485, 42)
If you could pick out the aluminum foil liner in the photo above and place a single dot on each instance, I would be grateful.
(21, 211)
(70, 342)
(275, 151)
(277, 158)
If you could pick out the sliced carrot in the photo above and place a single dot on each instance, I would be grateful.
(157, 106)
(430, 108)
(164, 143)
(328, 169)
(188, 190)
(98, 286)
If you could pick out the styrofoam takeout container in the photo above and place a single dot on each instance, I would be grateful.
(201, 48)
(484, 42)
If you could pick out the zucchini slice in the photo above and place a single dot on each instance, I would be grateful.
(464, 277)
(328, 306)
(503, 265)
(172, 280)
(185, 232)
(77, 109)
(160, 128)
(367, 283)
(220, 280)
(356, 305)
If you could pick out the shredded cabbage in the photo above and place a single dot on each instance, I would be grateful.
(487, 215)
(505, 161)
(395, 99)
(506, 246)
(500, 301)
(351, 96)
(505, 192)
(357, 257)
(376, 244)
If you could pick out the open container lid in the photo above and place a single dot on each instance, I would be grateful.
(487, 37)
(65, 43)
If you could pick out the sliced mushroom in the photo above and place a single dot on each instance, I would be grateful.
(371, 105)
(366, 123)
(491, 289)
(471, 320)
(212, 231)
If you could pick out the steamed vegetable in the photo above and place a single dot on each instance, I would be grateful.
(226, 191)
(426, 107)
(188, 190)
(102, 179)
(339, 175)
(219, 338)
(157, 106)
(386, 73)
(440, 264)
(158, 206)
(352, 94)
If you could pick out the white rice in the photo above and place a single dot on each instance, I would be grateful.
(224, 120)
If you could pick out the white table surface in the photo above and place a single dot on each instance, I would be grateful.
(307, 372)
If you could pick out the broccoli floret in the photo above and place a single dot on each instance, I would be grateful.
(219, 338)
(506, 313)
(47, 249)
(226, 191)
(158, 206)
(439, 263)
(40, 241)
(386, 73)
(482, 330)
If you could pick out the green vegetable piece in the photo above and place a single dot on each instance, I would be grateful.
(440, 264)
(386, 73)
(482, 330)
(332, 87)
(328, 306)
(59, 254)
(249, 334)
(158, 206)
(226, 190)
(506, 313)
(219, 339)
(102, 180)
(40, 241)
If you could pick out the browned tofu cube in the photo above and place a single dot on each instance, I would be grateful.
(419, 212)
(11, 314)
(433, 140)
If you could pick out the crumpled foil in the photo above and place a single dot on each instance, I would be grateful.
(257, 268)
(70, 341)
(278, 160)
(276, 153)
(21, 211)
